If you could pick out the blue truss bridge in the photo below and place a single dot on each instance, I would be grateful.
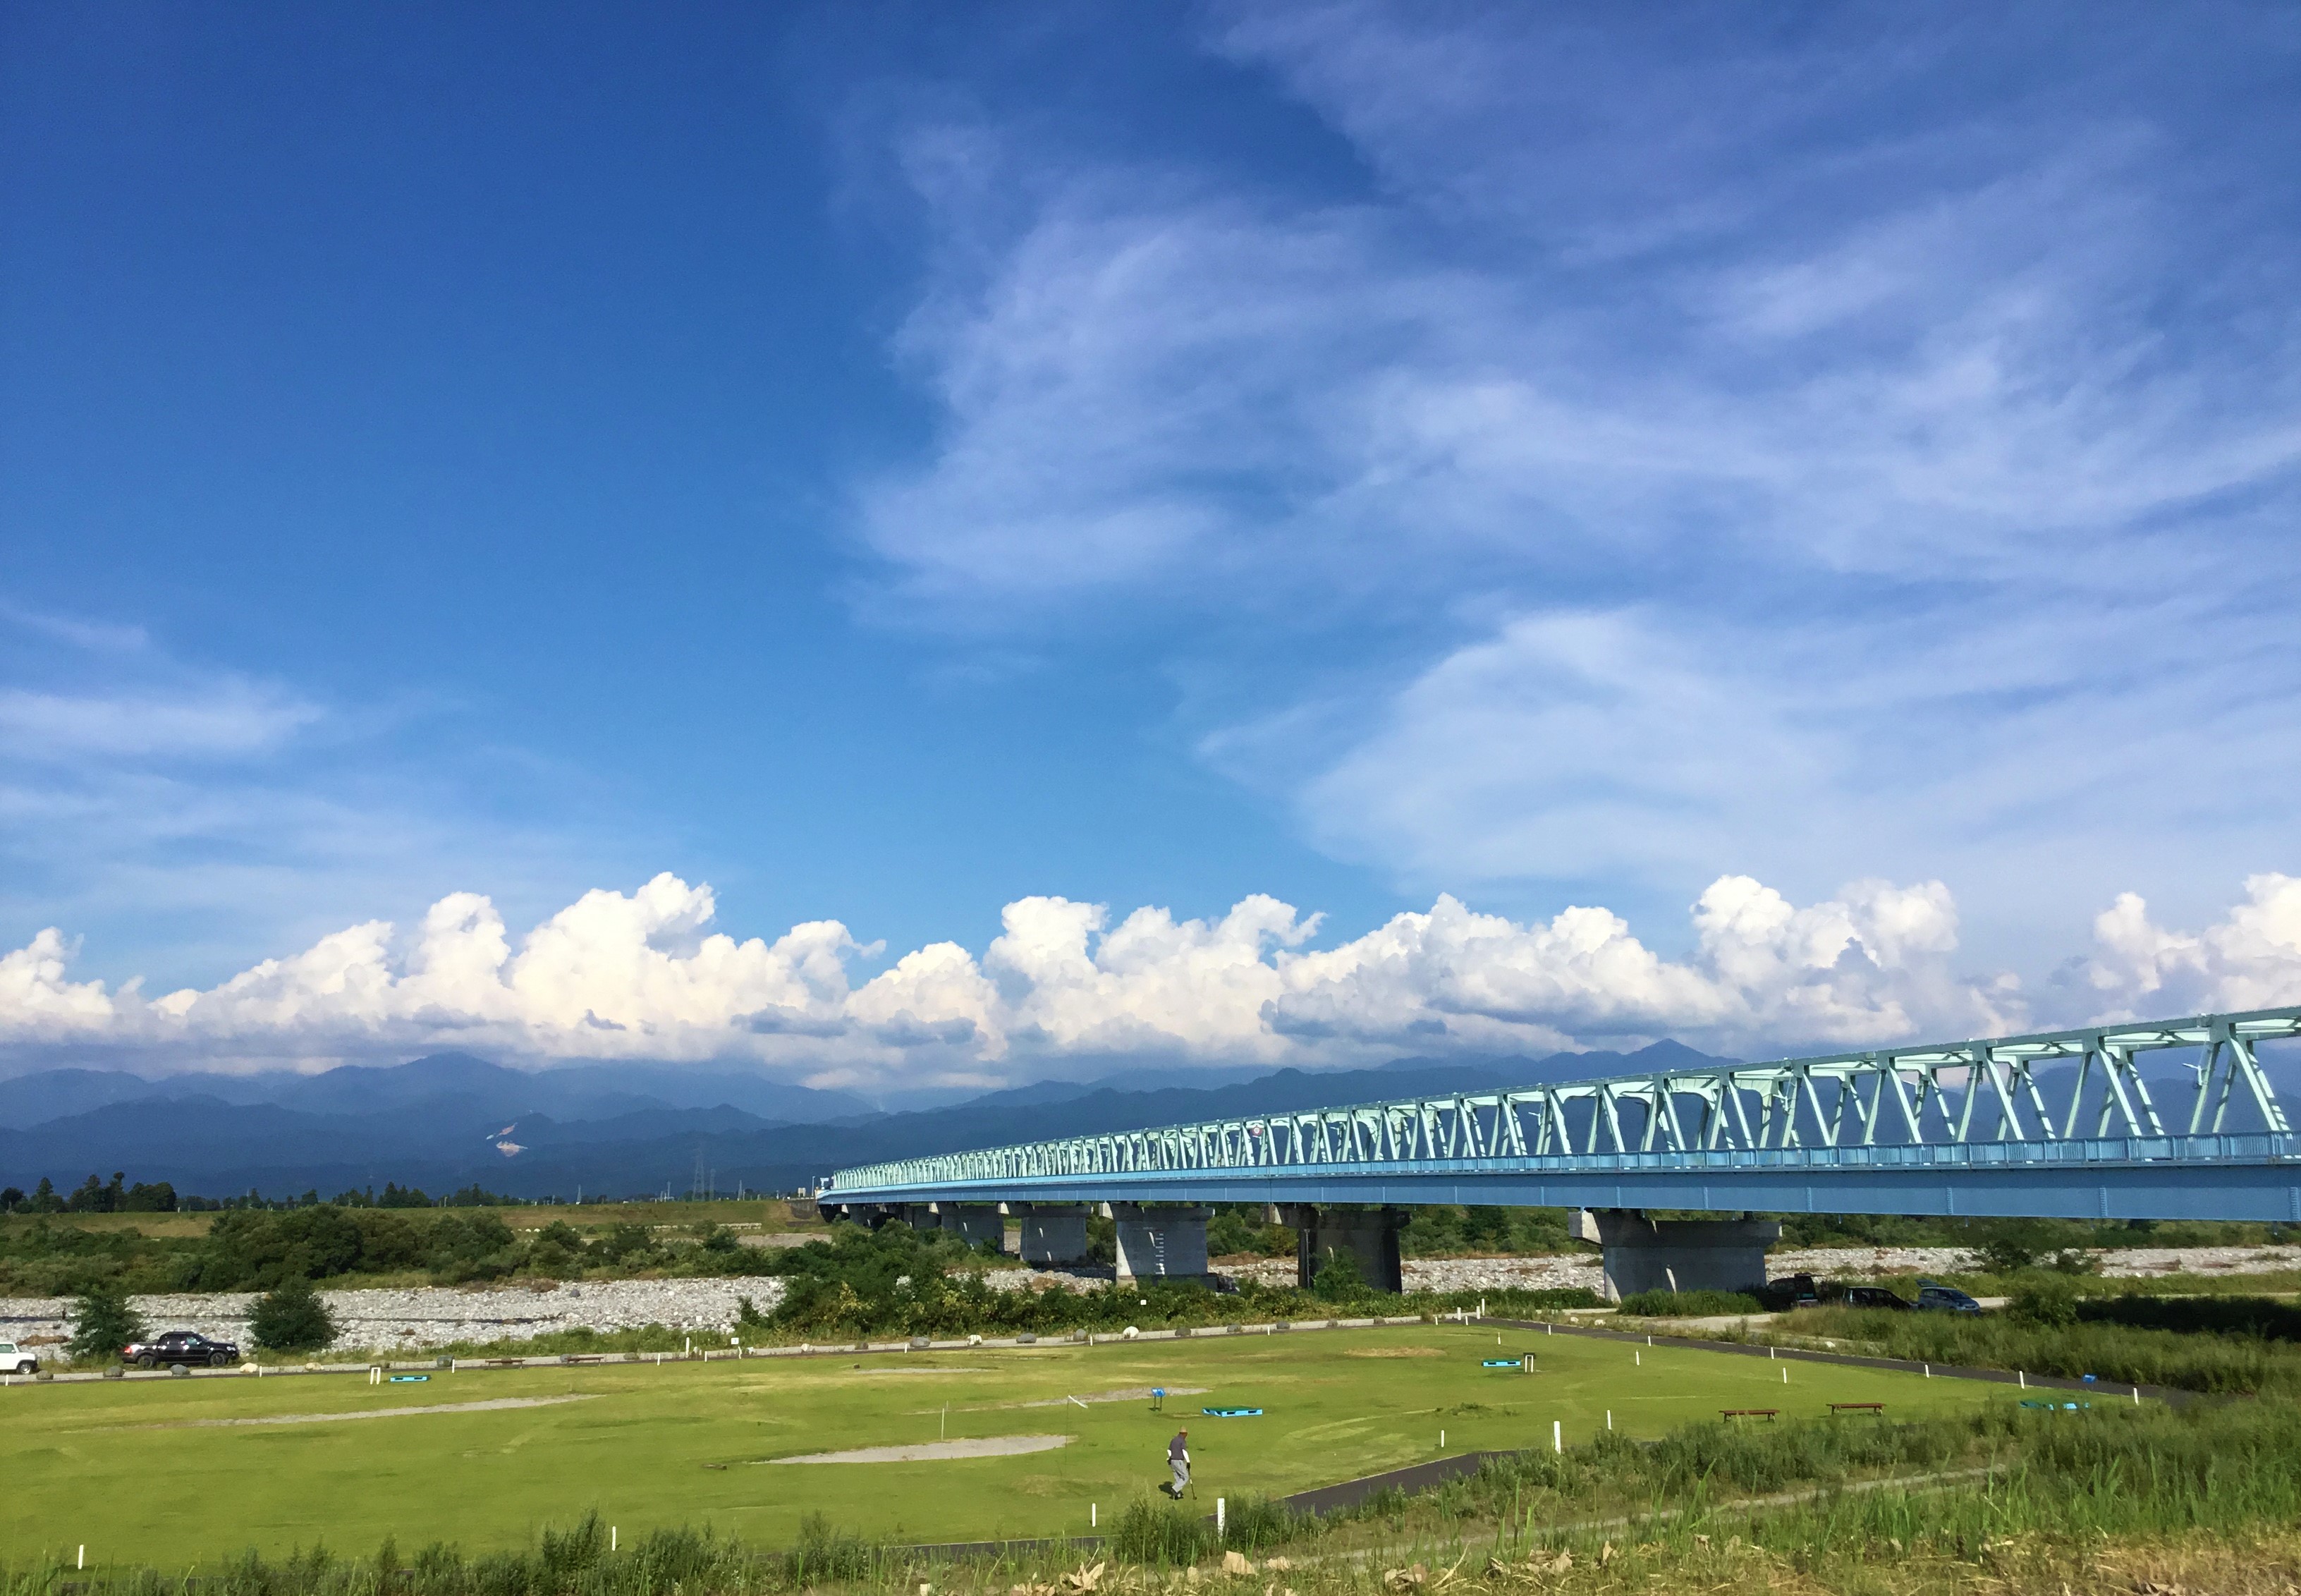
(2058, 1124)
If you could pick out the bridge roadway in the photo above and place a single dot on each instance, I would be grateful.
(2057, 1124)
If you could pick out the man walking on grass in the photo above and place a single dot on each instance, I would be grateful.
(1178, 1458)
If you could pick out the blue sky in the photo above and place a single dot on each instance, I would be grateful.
(909, 467)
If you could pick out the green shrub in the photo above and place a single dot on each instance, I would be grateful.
(2260, 1317)
(1338, 1279)
(102, 1322)
(1688, 1305)
(1237, 1230)
(44, 1258)
(2047, 1303)
(1514, 1300)
(291, 1318)
(1443, 1229)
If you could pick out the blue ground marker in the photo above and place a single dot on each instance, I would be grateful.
(1232, 1412)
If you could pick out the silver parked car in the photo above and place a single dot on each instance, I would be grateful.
(1946, 1300)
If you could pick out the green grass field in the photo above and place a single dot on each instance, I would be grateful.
(130, 1470)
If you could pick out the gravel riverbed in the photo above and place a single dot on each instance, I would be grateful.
(1841, 1263)
(417, 1319)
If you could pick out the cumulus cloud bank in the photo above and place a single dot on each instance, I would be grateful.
(644, 976)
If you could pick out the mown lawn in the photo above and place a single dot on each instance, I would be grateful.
(128, 1469)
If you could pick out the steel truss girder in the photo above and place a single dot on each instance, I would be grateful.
(1876, 1117)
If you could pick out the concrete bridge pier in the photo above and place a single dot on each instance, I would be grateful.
(1677, 1255)
(1368, 1235)
(1053, 1233)
(975, 1223)
(1161, 1243)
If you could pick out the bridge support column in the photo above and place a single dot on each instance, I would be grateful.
(1369, 1236)
(1677, 1255)
(1053, 1233)
(1161, 1243)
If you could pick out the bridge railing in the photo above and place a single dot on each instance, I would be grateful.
(2040, 1097)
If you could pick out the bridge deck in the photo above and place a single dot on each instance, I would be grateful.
(2058, 1123)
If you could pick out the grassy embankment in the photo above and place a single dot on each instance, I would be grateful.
(142, 1471)
(2144, 1341)
(1978, 1496)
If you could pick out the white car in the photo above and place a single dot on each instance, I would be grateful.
(13, 1362)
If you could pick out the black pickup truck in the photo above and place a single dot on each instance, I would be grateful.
(187, 1347)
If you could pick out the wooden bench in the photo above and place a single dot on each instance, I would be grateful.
(1748, 1412)
(1876, 1407)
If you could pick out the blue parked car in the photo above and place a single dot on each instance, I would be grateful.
(1947, 1300)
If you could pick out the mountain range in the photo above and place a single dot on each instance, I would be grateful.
(450, 1120)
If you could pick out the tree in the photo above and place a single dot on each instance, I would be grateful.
(1338, 1279)
(2009, 1246)
(158, 1197)
(291, 1318)
(102, 1322)
(2050, 1303)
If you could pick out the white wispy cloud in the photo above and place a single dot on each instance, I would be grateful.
(644, 976)
(225, 718)
(1688, 450)
(181, 811)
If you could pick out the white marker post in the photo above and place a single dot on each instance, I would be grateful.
(611, 1533)
(1093, 1515)
(1609, 1418)
(1786, 1376)
(1218, 1518)
(83, 1557)
(1557, 1436)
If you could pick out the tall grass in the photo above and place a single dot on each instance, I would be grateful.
(2218, 1470)
(2238, 1364)
(1663, 1304)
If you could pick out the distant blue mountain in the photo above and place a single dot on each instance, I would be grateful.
(450, 1119)
(441, 1083)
